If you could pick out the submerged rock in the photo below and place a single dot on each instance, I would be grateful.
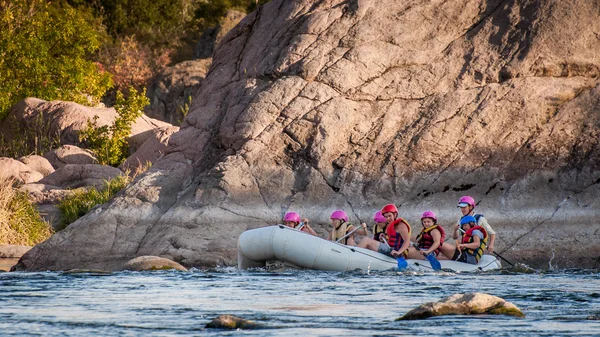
(141, 263)
(232, 322)
(13, 251)
(464, 304)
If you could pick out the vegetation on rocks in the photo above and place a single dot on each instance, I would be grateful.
(109, 143)
(83, 200)
(20, 222)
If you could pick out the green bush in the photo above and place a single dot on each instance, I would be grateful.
(109, 143)
(44, 53)
(20, 222)
(210, 12)
(82, 200)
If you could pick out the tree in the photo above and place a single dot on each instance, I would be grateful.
(45, 52)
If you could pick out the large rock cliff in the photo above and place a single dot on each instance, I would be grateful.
(320, 105)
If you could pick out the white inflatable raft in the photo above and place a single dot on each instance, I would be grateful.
(258, 246)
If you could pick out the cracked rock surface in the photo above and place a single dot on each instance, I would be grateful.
(314, 106)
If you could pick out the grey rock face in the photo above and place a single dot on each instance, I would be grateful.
(21, 173)
(69, 154)
(38, 163)
(81, 175)
(213, 36)
(314, 106)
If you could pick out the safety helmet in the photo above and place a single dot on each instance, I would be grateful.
(429, 214)
(466, 201)
(467, 219)
(341, 215)
(378, 217)
(389, 208)
(292, 216)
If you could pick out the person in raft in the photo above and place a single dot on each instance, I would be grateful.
(430, 239)
(292, 219)
(467, 207)
(379, 227)
(397, 232)
(343, 229)
(472, 245)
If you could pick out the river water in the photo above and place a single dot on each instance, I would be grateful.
(291, 303)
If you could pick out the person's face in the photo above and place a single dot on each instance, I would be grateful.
(336, 223)
(380, 224)
(427, 222)
(465, 210)
(290, 224)
(389, 216)
(467, 226)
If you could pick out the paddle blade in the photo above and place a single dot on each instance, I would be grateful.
(435, 264)
(402, 264)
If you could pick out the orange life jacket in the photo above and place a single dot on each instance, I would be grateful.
(468, 238)
(395, 239)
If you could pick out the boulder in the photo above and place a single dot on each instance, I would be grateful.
(21, 173)
(173, 89)
(70, 154)
(13, 251)
(38, 163)
(142, 263)
(315, 106)
(81, 175)
(65, 119)
(214, 35)
(151, 150)
(231, 322)
(464, 304)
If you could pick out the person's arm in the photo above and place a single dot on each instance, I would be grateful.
(363, 230)
(492, 234)
(437, 238)
(472, 245)
(490, 247)
(455, 232)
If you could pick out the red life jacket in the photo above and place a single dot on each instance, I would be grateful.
(395, 239)
(468, 238)
(425, 239)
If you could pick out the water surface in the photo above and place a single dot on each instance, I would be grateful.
(291, 303)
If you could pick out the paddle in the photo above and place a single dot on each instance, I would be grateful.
(505, 260)
(347, 235)
(402, 264)
(300, 225)
(435, 264)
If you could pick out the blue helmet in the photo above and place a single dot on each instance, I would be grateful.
(467, 219)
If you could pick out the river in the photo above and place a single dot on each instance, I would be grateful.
(291, 303)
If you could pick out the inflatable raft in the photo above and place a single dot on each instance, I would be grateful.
(257, 247)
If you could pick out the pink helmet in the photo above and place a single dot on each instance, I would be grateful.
(429, 214)
(466, 201)
(378, 217)
(341, 215)
(292, 216)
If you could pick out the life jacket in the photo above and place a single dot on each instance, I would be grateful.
(380, 234)
(394, 238)
(339, 233)
(468, 238)
(425, 239)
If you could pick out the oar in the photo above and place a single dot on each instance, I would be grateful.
(347, 235)
(402, 264)
(435, 264)
(505, 260)
(300, 225)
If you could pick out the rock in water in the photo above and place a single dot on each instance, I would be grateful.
(231, 322)
(464, 304)
(152, 263)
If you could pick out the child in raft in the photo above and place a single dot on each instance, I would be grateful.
(292, 219)
(397, 233)
(342, 229)
(430, 239)
(472, 245)
(379, 227)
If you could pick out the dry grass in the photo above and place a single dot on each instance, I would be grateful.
(20, 222)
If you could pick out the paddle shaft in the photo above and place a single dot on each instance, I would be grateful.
(347, 235)
(505, 260)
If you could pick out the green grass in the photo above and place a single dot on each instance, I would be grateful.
(20, 222)
(83, 200)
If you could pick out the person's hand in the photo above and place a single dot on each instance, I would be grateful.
(491, 249)
(423, 252)
(456, 227)
(363, 225)
(305, 220)
(395, 253)
(460, 246)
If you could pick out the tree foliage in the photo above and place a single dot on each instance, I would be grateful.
(44, 52)
(109, 143)
(210, 12)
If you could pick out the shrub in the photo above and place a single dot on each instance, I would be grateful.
(82, 200)
(34, 139)
(109, 143)
(20, 222)
(44, 53)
